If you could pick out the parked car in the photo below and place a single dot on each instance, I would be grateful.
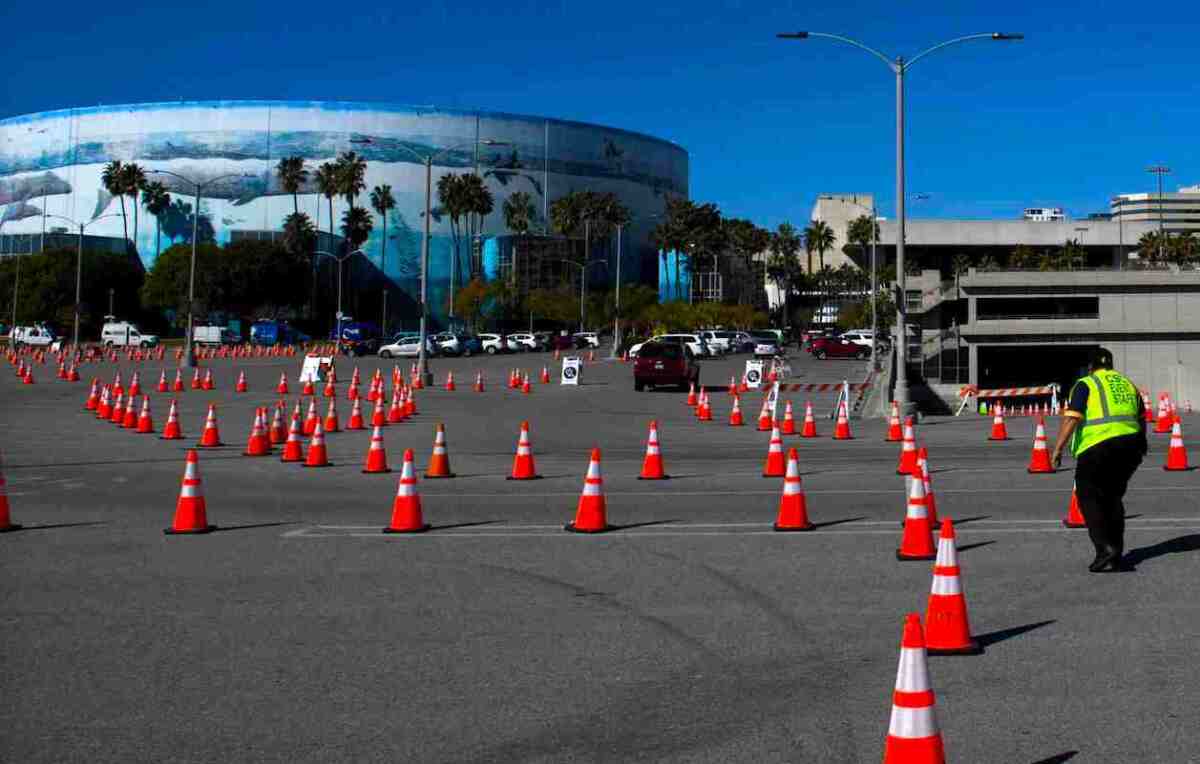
(864, 337)
(271, 332)
(661, 364)
(717, 342)
(37, 336)
(838, 347)
(766, 343)
(526, 341)
(694, 342)
(447, 343)
(125, 334)
(587, 339)
(408, 346)
(469, 346)
(493, 343)
(213, 335)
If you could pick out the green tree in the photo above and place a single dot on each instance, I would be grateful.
(356, 227)
(519, 213)
(292, 177)
(329, 186)
(783, 267)
(820, 237)
(746, 241)
(351, 173)
(861, 233)
(988, 264)
(1022, 257)
(133, 180)
(959, 265)
(299, 234)
(1149, 246)
(382, 201)
(454, 200)
(469, 303)
(112, 177)
(157, 201)
(671, 235)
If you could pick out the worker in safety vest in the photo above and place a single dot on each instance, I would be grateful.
(1103, 423)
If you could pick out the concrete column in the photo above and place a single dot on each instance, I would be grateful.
(973, 363)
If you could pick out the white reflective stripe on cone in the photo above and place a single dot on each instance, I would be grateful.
(946, 585)
(913, 722)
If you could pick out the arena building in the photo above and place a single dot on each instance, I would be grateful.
(51, 163)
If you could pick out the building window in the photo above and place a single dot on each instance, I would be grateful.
(1036, 308)
(912, 300)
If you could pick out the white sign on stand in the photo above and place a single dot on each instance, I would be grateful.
(773, 400)
(572, 370)
(753, 375)
(314, 367)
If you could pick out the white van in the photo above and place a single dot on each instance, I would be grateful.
(212, 335)
(125, 334)
(36, 336)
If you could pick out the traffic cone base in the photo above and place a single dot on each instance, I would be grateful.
(205, 529)
(419, 529)
(406, 507)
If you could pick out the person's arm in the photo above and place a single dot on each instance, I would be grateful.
(1072, 417)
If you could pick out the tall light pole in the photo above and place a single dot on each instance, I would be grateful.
(582, 284)
(428, 160)
(899, 67)
(189, 355)
(339, 259)
(1160, 171)
(78, 267)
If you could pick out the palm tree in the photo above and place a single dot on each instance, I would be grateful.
(157, 201)
(299, 233)
(821, 238)
(860, 233)
(453, 199)
(1022, 257)
(356, 227)
(113, 180)
(479, 204)
(785, 244)
(292, 177)
(328, 185)
(352, 174)
(382, 201)
(519, 213)
(133, 179)
(1148, 246)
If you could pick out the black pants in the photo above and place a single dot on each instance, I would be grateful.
(1101, 476)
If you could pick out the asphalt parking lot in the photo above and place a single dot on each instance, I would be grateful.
(692, 633)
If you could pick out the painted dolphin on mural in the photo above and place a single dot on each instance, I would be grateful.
(14, 190)
(20, 211)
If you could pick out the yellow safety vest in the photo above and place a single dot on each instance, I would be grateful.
(1112, 410)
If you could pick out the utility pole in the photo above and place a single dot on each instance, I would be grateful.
(1160, 171)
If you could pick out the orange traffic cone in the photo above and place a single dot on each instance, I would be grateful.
(775, 465)
(526, 387)
(999, 430)
(704, 410)
(376, 460)
(793, 507)
(913, 735)
(908, 451)
(241, 386)
(1074, 518)
(104, 405)
(545, 376)
(439, 461)
(282, 387)
(1163, 423)
(277, 432)
(93, 399)
(162, 381)
(258, 444)
(591, 515)
(129, 420)
(733, 388)
(331, 417)
(309, 388)
(406, 507)
(788, 425)
(478, 387)
(177, 387)
(765, 423)
(652, 465)
(378, 416)
(923, 470)
(356, 418)
(841, 429)
(894, 433)
(947, 629)
(208, 380)
(118, 410)
(28, 378)
(311, 419)
(395, 413)
(735, 413)
(191, 514)
(317, 456)
(809, 430)
(6, 523)
(145, 424)
(135, 385)
(1176, 454)
(1039, 460)
(691, 399)
(330, 391)
(450, 382)
(210, 437)
(523, 468)
(292, 448)
(172, 430)
(917, 543)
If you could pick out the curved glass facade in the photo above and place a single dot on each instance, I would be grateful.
(51, 162)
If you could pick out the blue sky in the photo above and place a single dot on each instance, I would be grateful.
(1068, 117)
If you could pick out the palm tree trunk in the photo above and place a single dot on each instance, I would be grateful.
(383, 247)
(125, 220)
(135, 218)
(296, 203)
(157, 237)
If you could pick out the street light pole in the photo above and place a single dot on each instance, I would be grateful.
(1160, 171)
(78, 269)
(617, 310)
(899, 67)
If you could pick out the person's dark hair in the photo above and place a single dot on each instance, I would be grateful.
(1100, 359)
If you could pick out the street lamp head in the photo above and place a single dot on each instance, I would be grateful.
(1007, 36)
(792, 35)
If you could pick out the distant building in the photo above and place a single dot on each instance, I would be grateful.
(1180, 210)
(1044, 214)
(838, 211)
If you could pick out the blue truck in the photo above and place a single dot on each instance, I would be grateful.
(357, 337)
(270, 332)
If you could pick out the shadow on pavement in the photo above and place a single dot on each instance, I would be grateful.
(449, 526)
(222, 528)
(966, 520)
(1059, 759)
(829, 523)
(630, 526)
(1178, 545)
(208, 453)
(992, 637)
(976, 545)
(59, 525)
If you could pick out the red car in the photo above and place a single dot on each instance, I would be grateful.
(665, 363)
(836, 347)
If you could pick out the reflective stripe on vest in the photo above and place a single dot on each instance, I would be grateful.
(1111, 410)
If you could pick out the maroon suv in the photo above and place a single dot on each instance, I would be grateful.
(665, 363)
(836, 347)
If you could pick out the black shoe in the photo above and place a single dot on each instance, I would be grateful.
(1108, 560)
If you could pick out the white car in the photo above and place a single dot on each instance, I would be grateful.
(125, 334)
(864, 337)
(494, 343)
(408, 347)
(38, 336)
(591, 339)
(525, 341)
(718, 342)
(694, 342)
(447, 343)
